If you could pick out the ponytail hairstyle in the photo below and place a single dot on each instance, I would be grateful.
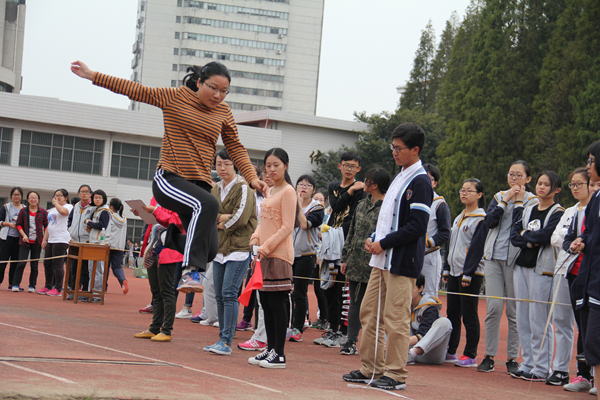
(203, 73)
(117, 205)
(580, 171)
(285, 159)
(555, 182)
(479, 188)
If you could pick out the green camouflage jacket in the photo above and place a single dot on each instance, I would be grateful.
(363, 224)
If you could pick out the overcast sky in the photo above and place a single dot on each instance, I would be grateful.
(367, 50)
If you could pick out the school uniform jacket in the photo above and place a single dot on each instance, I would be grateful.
(467, 241)
(566, 259)
(307, 240)
(438, 228)
(522, 237)
(424, 315)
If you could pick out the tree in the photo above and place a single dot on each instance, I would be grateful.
(442, 56)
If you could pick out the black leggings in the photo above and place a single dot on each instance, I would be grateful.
(197, 209)
(9, 250)
(467, 308)
(276, 318)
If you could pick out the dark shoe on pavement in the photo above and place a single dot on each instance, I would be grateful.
(487, 365)
(356, 377)
(512, 366)
(387, 383)
(558, 378)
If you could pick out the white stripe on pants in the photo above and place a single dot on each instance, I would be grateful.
(564, 321)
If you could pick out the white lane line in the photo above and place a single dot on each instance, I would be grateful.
(58, 378)
(381, 390)
(143, 357)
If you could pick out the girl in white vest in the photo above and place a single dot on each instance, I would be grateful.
(531, 232)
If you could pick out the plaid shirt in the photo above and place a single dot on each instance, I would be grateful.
(41, 223)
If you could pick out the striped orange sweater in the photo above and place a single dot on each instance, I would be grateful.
(191, 129)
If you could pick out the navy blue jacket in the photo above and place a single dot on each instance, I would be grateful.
(586, 287)
(408, 240)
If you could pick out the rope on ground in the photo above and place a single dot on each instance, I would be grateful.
(482, 296)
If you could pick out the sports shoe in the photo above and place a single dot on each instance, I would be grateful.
(349, 349)
(244, 326)
(144, 335)
(306, 323)
(412, 356)
(161, 337)
(558, 378)
(451, 358)
(517, 374)
(296, 335)
(334, 341)
(149, 309)
(70, 296)
(487, 365)
(219, 348)
(594, 391)
(320, 324)
(196, 319)
(274, 360)
(216, 324)
(96, 299)
(580, 357)
(356, 377)
(125, 286)
(512, 366)
(252, 345)
(528, 376)
(190, 282)
(387, 383)
(206, 322)
(262, 356)
(466, 362)
(53, 292)
(31, 289)
(16, 289)
(185, 313)
(323, 337)
(578, 384)
(43, 290)
(156, 245)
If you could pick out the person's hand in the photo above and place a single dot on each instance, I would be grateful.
(511, 193)
(134, 212)
(25, 238)
(44, 244)
(148, 209)
(224, 217)
(254, 242)
(577, 246)
(358, 185)
(11, 224)
(80, 69)
(261, 253)
(368, 244)
(343, 268)
(220, 226)
(520, 194)
(465, 284)
(261, 186)
(445, 279)
(376, 248)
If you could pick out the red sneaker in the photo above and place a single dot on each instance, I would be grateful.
(147, 310)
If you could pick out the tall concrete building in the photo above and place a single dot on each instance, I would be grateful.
(12, 32)
(271, 47)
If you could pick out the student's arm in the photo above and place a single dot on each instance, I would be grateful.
(427, 319)
(495, 213)
(3, 215)
(63, 210)
(103, 221)
(70, 219)
(443, 221)
(338, 204)
(475, 252)
(418, 218)
(571, 234)
(558, 236)
(239, 155)
(517, 227)
(542, 237)
(315, 217)
(243, 210)
(44, 218)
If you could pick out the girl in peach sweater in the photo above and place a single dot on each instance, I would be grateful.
(276, 253)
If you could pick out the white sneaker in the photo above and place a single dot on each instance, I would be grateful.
(594, 391)
(31, 290)
(206, 322)
(216, 324)
(185, 313)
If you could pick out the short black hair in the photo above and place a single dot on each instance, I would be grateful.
(350, 156)
(420, 281)
(311, 179)
(594, 150)
(411, 134)
(479, 187)
(380, 177)
(432, 169)
(224, 155)
(101, 193)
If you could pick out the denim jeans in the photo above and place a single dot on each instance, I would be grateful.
(228, 279)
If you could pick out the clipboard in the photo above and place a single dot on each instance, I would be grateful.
(137, 204)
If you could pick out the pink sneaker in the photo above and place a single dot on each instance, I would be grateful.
(54, 292)
(465, 361)
(43, 291)
(252, 345)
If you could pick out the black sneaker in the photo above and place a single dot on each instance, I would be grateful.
(512, 366)
(274, 360)
(528, 376)
(487, 365)
(356, 377)
(387, 383)
(262, 356)
(580, 357)
(558, 378)
(517, 374)
(349, 349)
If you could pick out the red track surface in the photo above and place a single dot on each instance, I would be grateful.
(45, 327)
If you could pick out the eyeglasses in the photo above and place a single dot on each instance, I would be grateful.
(591, 160)
(465, 191)
(224, 165)
(216, 90)
(305, 185)
(350, 167)
(515, 176)
(397, 149)
(575, 185)
(84, 192)
(16, 195)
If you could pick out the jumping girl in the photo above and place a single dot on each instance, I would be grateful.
(499, 261)
(464, 272)
(195, 116)
(276, 253)
(534, 270)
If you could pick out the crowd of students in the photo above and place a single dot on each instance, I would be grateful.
(28, 229)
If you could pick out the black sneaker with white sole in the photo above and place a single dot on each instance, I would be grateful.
(487, 365)
(349, 349)
(512, 366)
(387, 383)
(517, 374)
(558, 378)
(528, 376)
(356, 377)
(273, 360)
(262, 356)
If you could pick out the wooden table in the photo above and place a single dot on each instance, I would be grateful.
(86, 252)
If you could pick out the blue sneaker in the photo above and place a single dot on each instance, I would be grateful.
(219, 348)
(190, 282)
(196, 319)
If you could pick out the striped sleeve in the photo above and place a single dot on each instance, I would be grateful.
(159, 97)
(236, 149)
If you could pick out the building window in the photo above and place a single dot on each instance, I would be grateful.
(175, 52)
(176, 35)
(233, 57)
(61, 152)
(6, 136)
(178, 19)
(179, 3)
(250, 107)
(256, 92)
(236, 10)
(135, 230)
(235, 25)
(175, 67)
(245, 74)
(232, 41)
(173, 83)
(134, 161)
